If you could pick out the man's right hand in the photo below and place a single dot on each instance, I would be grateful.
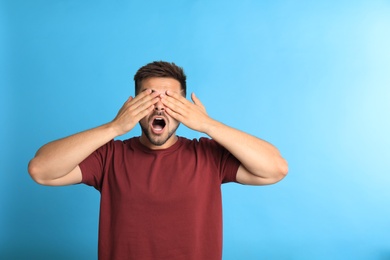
(133, 110)
(56, 163)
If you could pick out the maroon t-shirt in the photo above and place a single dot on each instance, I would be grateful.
(160, 204)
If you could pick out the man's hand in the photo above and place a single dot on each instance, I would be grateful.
(57, 163)
(261, 162)
(133, 110)
(192, 115)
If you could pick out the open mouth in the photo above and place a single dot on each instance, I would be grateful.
(158, 124)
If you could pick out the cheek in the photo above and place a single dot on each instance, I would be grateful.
(173, 122)
(144, 121)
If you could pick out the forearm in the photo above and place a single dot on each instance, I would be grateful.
(56, 159)
(261, 160)
(59, 159)
(259, 157)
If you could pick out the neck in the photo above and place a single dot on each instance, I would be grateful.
(146, 142)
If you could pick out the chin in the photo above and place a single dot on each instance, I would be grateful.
(158, 140)
(152, 138)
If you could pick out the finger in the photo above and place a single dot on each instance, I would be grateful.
(144, 107)
(173, 104)
(136, 108)
(174, 114)
(176, 96)
(196, 101)
(144, 95)
(144, 100)
(142, 113)
(126, 104)
(177, 99)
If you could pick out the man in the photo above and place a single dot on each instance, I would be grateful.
(160, 193)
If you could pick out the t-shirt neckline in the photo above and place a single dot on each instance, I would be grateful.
(172, 148)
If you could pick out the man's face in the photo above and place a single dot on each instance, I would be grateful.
(158, 128)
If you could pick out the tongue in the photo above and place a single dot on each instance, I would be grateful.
(157, 127)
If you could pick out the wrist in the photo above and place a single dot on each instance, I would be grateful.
(211, 127)
(113, 129)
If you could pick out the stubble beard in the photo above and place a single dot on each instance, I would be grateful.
(156, 139)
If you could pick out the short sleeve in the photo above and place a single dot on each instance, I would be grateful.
(229, 167)
(94, 166)
(226, 163)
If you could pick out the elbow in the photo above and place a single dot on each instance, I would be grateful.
(283, 166)
(275, 174)
(282, 169)
(35, 171)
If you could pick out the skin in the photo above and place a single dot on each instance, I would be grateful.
(56, 163)
(167, 136)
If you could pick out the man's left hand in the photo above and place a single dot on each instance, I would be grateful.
(192, 115)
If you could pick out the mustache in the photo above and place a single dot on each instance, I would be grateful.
(158, 114)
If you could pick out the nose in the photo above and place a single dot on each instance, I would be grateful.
(159, 106)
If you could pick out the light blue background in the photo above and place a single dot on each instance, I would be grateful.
(311, 77)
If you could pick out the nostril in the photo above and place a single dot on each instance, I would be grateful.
(158, 108)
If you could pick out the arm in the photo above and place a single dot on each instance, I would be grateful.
(56, 163)
(261, 162)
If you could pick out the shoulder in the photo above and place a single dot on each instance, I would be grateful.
(117, 146)
(203, 144)
(202, 141)
(208, 143)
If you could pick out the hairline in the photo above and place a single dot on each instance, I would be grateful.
(139, 84)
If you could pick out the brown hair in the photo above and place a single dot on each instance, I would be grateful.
(160, 69)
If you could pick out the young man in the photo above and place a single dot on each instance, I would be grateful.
(160, 193)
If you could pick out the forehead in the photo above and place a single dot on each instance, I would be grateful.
(161, 84)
